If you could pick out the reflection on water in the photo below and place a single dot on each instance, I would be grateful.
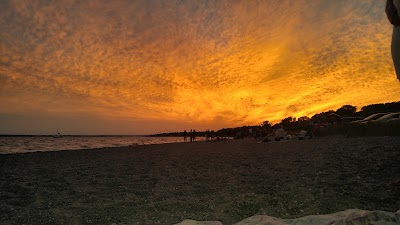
(18, 144)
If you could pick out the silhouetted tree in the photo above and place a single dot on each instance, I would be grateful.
(288, 120)
(323, 117)
(266, 125)
(303, 122)
(346, 110)
(379, 108)
(303, 118)
(288, 123)
(265, 128)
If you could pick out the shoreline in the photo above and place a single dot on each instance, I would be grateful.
(225, 181)
(13, 145)
(88, 149)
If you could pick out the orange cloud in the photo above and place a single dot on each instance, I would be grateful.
(224, 63)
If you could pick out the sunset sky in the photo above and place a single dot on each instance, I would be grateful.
(149, 66)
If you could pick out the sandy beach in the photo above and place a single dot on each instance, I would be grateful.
(225, 181)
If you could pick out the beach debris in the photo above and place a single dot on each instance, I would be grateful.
(395, 182)
(348, 217)
(193, 222)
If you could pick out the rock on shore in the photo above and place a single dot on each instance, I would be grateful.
(348, 217)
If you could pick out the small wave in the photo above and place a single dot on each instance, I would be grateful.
(40, 143)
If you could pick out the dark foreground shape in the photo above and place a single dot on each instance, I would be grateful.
(348, 217)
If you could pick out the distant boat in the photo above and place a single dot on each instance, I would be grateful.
(58, 135)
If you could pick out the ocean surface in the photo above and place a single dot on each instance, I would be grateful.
(20, 144)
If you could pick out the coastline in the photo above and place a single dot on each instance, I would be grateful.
(225, 181)
(26, 144)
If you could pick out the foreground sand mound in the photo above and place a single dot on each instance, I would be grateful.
(194, 222)
(348, 217)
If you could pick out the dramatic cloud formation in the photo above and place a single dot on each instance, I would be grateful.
(209, 63)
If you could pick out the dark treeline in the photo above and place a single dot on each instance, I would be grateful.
(180, 134)
(343, 115)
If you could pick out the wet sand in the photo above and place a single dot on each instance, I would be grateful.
(225, 181)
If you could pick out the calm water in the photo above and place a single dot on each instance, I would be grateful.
(13, 144)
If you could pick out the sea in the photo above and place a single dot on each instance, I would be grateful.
(22, 144)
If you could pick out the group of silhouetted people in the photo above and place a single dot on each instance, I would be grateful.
(191, 134)
(209, 135)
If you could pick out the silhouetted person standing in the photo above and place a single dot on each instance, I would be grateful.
(310, 130)
(184, 136)
(191, 135)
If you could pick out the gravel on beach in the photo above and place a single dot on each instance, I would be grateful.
(225, 181)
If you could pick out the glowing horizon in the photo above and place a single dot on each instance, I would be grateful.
(152, 66)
